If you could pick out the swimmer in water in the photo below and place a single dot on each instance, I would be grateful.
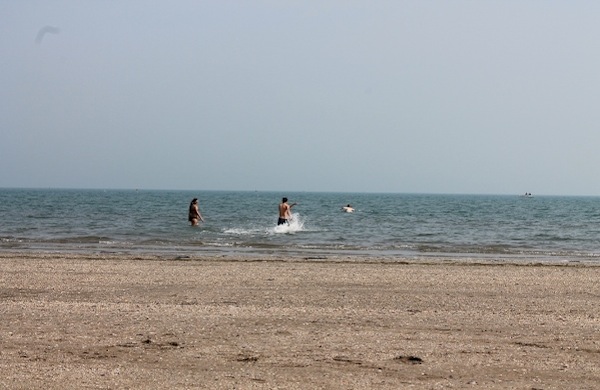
(348, 208)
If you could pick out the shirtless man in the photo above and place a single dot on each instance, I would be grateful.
(285, 212)
(194, 213)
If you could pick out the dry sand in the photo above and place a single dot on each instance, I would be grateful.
(119, 321)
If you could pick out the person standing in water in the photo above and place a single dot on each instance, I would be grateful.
(285, 212)
(194, 213)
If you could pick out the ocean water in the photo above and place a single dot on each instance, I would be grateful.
(387, 225)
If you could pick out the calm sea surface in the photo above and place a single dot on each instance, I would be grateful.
(388, 225)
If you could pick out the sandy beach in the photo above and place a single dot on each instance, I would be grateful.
(74, 321)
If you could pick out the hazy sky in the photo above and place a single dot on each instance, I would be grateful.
(493, 97)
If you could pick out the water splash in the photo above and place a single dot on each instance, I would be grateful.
(296, 224)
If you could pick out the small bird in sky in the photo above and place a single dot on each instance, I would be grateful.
(45, 30)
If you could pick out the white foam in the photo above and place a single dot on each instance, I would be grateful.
(239, 231)
(296, 224)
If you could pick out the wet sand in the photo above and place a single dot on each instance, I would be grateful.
(73, 321)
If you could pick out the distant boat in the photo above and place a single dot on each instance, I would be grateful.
(527, 195)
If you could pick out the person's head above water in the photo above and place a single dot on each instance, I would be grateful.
(284, 200)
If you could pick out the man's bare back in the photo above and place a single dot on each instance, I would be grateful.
(285, 211)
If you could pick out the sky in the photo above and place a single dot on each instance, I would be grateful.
(413, 96)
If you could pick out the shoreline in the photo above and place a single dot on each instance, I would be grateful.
(305, 256)
(146, 321)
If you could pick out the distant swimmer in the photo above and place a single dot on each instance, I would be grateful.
(194, 213)
(285, 212)
(348, 208)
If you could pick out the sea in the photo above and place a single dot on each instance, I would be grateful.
(389, 226)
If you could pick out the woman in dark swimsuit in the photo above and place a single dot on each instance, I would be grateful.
(194, 213)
